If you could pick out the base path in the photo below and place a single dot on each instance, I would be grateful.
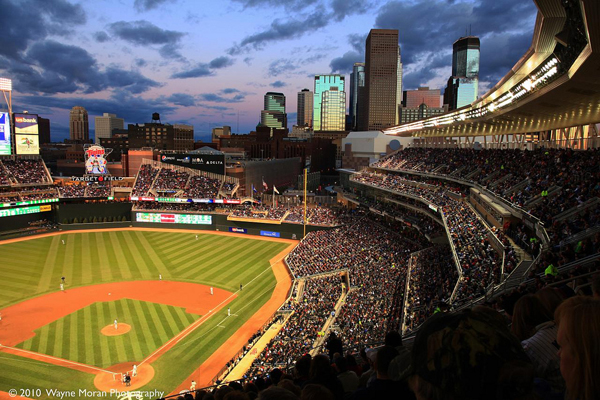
(106, 382)
(109, 330)
(212, 366)
(20, 320)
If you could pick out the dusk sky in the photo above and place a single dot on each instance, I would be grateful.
(209, 63)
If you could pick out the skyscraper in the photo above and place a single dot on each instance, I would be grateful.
(273, 115)
(383, 80)
(105, 124)
(357, 80)
(423, 95)
(305, 108)
(334, 115)
(79, 127)
(463, 85)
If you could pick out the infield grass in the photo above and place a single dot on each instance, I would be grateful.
(35, 267)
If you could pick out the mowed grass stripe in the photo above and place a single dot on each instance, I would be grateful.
(256, 264)
(208, 247)
(156, 259)
(169, 323)
(88, 337)
(121, 263)
(118, 345)
(75, 337)
(157, 322)
(103, 264)
(136, 257)
(230, 258)
(135, 331)
(144, 327)
(185, 242)
(87, 275)
(186, 269)
(48, 266)
(105, 359)
(68, 261)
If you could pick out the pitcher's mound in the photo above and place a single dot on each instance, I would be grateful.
(106, 382)
(109, 330)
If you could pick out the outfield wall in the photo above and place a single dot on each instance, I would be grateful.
(220, 223)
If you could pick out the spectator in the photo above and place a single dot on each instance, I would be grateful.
(383, 387)
(321, 373)
(349, 379)
(469, 355)
(578, 320)
(334, 345)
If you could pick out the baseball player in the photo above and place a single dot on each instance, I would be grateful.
(134, 372)
(228, 311)
(62, 287)
(211, 291)
(116, 324)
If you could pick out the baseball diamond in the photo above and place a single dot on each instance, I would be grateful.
(52, 339)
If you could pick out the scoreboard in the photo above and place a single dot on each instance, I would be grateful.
(11, 212)
(162, 218)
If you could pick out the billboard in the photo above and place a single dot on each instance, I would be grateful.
(270, 234)
(95, 159)
(161, 218)
(237, 230)
(4, 134)
(214, 163)
(27, 144)
(26, 124)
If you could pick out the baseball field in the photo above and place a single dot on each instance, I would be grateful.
(167, 301)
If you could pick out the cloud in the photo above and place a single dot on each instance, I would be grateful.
(287, 4)
(144, 33)
(101, 36)
(75, 70)
(229, 91)
(278, 84)
(248, 61)
(182, 99)
(217, 98)
(344, 64)
(133, 109)
(221, 62)
(147, 5)
(282, 30)
(198, 71)
(345, 8)
(281, 66)
(358, 42)
(37, 19)
(140, 62)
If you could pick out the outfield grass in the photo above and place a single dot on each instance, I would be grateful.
(76, 337)
(34, 267)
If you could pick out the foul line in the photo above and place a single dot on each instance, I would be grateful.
(62, 360)
(187, 331)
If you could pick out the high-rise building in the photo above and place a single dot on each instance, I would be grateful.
(423, 95)
(383, 80)
(463, 85)
(219, 131)
(357, 80)
(411, 114)
(79, 126)
(273, 115)
(160, 136)
(105, 124)
(44, 130)
(305, 109)
(330, 83)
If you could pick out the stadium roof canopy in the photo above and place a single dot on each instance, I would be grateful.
(555, 84)
(206, 150)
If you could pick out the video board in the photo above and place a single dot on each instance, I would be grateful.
(27, 140)
(162, 218)
(5, 147)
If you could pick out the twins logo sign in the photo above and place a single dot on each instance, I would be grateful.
(95, 159)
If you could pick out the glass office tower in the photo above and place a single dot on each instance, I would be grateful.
(274, 115)
(463, 85)
(357, 79)
(325, 83)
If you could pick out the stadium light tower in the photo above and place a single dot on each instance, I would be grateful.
(6, 87)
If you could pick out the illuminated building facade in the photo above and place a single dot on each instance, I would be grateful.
(329, 83)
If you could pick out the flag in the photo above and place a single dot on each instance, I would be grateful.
(254, 189)
(275, 190)
(265, 185)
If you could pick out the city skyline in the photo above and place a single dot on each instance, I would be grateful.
(211, 66)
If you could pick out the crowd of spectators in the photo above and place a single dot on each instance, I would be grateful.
(143, 182)
(202, 187)
(99, 190)
(433, 277)
(302, 328)
(26, 171)
(170, 180)
(70, 191)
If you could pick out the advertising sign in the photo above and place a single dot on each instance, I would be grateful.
(11, 212)
(4, 134)
(269, 233)
(214, 163)
(27, 144)
(95, 159)
(161, 218)
(237, 230)
(26, 124)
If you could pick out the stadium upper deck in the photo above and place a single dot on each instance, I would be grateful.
(554, 85)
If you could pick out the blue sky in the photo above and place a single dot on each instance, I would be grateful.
(209, 63)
